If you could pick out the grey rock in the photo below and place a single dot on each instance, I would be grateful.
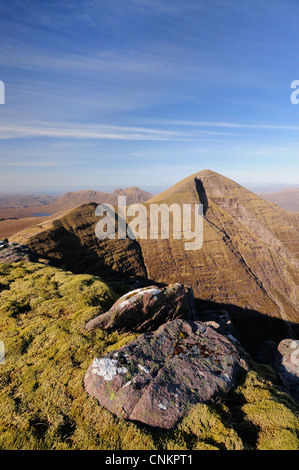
(11, 252)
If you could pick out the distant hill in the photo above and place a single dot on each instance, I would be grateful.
(20, 201)
(288, 199)
(75, 198)
(16, 215)
(17, 206)
(249, 261)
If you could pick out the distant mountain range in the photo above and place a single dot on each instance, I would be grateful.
(24, 206)
(248, 264)
(18, 212)
(20, 201)
(288, 199)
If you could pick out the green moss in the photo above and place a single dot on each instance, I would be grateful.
(265, 412)
(268, 414)
(43, 404)
(47, 352)
(128, 338)
(278, 439)
(208, 429)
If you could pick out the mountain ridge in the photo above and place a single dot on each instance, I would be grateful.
(249, 257)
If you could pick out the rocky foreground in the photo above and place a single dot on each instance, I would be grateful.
(190, 375)
(157, 378)
(183, 356)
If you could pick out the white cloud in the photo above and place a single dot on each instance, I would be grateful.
(176, 131)
(84, 131)
(231, 125)
(50, 163)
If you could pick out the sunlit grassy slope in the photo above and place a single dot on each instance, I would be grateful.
(43, 404)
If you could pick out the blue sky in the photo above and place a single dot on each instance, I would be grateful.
(111, 93)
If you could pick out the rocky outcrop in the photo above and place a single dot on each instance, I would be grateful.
(12, 252)
(157, 378)
(147, 308)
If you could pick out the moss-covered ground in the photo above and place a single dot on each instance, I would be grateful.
(43, 404)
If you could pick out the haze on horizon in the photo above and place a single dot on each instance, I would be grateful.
(102, 94)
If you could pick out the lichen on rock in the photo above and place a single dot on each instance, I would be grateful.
(107, 368)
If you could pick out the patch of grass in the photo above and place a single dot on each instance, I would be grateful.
(43, 404)
(47, 352)
(265, 412)
(4, 286)
(208, 428)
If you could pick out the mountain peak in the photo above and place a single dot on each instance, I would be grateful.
(216, 178)
(208, 172)
(249, 257)
(211, 184)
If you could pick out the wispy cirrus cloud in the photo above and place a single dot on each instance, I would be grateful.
(230, 125)
(84, 131)
(31, 57)
(35, 163)
(98, 132)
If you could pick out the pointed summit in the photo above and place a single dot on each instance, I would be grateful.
(185, 191)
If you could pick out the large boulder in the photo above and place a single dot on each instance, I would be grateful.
(157, 378)
(147, 308)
